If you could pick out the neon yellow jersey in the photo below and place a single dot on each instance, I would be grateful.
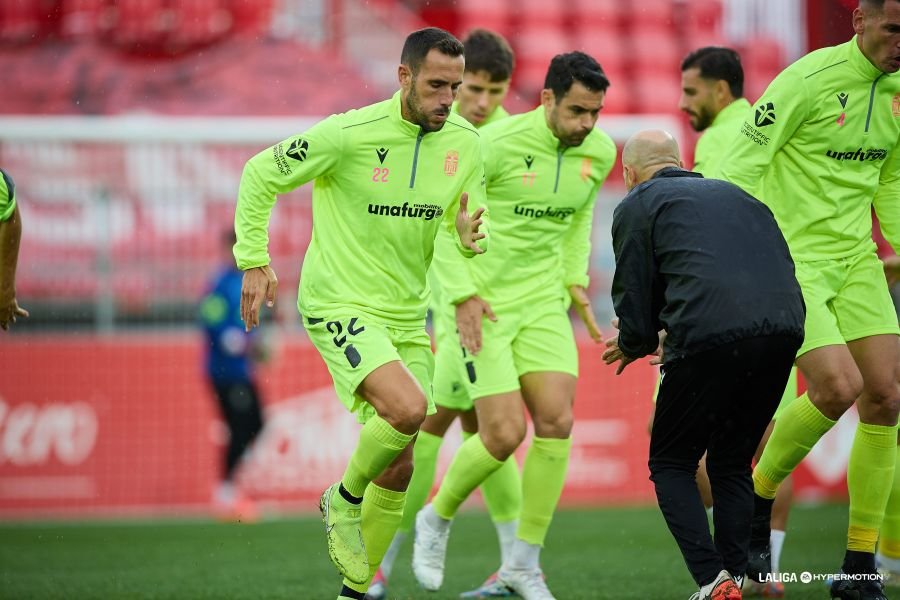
(382, 190)
(542, 204)
(7, 196)
(712, 147)
(819, 148)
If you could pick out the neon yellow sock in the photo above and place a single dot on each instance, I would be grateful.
(543, 476)
(379, 444)
(870, 475)
(425, 458)
(889, 544)
(471, 465)
(796, 431)
(382, 510)
(502, 491)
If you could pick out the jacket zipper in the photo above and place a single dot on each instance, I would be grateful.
(871, 101)
(559, 154)
(412, 176)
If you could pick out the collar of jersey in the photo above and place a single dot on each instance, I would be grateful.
(740, 105)
(397, 116)
(861, 63)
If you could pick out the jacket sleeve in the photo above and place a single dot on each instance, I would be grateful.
(278, 170)
(576, 245)
(632, 286)
(769, 125)
(887, 198)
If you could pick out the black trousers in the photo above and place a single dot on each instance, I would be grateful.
(719, 402)
(240, 406)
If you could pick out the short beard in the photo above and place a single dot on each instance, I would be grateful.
(415, 110)
(704, 120)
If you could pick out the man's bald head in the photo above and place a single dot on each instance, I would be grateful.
(646, 152)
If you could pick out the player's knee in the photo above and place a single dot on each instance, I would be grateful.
(501, 442)
(407, 414)
(885, 399)
(553, 426)
(838, 391)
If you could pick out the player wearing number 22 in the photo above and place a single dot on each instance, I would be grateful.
(387, 178)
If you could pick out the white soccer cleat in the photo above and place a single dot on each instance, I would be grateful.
(528, 583)
(429, 552)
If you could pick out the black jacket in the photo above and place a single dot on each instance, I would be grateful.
(703, 260)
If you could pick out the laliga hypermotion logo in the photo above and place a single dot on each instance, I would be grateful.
(896, 106)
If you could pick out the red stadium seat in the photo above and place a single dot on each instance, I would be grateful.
(652, 15)
(589, 15)
(547, 13)
(656, 92)
(607, 47)
(762, 53)
(655, 51)
(20, 21)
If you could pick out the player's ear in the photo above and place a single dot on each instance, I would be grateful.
(548, 98)
(859, 20)
(404, 75)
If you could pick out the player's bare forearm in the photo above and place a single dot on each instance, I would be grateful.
(892, 268)
(259, 284)
(582, 303)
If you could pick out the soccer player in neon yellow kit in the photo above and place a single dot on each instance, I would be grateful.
(544, 169)
(820, 148)
(712, 95)
(10, 235)
(385, 175)
(489, 66)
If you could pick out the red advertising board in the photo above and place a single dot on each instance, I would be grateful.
(126, 425)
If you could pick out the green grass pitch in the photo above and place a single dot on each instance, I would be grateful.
(613, 553)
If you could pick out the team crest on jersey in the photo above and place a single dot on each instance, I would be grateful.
(451, 163)
(585, 169)
(896, 107)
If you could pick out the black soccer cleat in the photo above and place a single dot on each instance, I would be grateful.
(759, 560)
(845, 589)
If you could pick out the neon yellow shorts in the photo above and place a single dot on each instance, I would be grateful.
(846, 299)
(449, 363)
(354, 345)
(525, 339)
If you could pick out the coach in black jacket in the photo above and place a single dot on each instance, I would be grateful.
(704, 265)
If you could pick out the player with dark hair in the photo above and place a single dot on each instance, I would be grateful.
(489, 64)
(388, 177)
(544, 169)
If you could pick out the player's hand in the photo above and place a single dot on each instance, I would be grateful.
(582, 304)
(468, 322)
(258, 283)
(613, 353)
(659, 355)
(467, 225)
(9, 309)
(891, 269)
